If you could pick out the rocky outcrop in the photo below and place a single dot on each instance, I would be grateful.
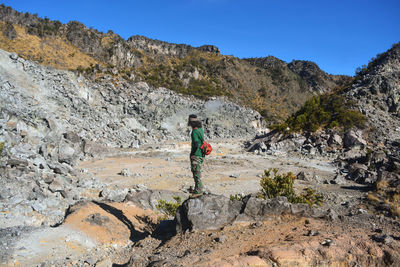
(376, 93)
(210, 212)
(161, 48)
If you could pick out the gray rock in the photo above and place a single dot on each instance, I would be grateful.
(14, 56)
(206, 212)
(125, 172)
(66, 154)
(304, 176)
(114, 193)
(354, 138)
(339, 179)
(148, 198)
(335, 140)
(17, 162)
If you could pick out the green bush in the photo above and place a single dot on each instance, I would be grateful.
(236, 197)
(282, 185)
(2, 147)
(168, 208)
(325, 111)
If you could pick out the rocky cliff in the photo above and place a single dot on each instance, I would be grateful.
(377, 94)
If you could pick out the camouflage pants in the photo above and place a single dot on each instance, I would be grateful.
(195, 163)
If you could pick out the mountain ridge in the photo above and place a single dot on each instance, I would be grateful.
(274, 91)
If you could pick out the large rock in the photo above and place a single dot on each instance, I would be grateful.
(66, 153)
(206, 212)
(354, 138)
(148, 199)
(215, 211)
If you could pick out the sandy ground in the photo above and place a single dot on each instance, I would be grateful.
(228, 170)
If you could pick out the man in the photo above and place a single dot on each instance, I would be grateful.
(196, 155)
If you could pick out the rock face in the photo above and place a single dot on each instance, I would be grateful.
(214, 211)
(157, 47)
(377, 94)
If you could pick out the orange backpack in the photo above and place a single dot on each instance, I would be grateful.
(206, 148)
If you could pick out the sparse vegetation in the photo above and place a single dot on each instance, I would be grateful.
(50, 50)
(274, 185)
(168, 209)
(236, 197)
(2, 147)
(325, 111)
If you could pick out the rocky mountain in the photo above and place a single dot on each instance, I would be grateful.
(93, 142)
(269, 85)
(376, 91)
(368, 154)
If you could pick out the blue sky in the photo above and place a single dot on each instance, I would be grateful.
(338, 35)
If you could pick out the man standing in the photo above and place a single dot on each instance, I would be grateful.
(196, 155)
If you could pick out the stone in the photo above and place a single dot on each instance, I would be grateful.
(358, 172)
(206, 212)
(66, 153)
(14, 56)
(12, 162)
(56, 185)
(335, 140)
(39, 206)
(354, 138)
(339, 179)
(125, 172)
(304, 176)
(114, 193)
(220, 239)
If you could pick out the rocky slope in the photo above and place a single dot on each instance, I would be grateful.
(51, 119)
(370, 155)
(269, 85)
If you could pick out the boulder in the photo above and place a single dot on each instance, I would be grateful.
(335, 140)
(148, 199)
(206, 212)
(114, 194)
(66, 153)
(214, 211)
(304, 176)
(354, 138)
(358, 172)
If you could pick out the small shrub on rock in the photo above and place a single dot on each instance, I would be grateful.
(274, 185)
(168, 209)
(2, 147)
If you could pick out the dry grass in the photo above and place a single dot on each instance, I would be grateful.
(52, 51)
(372, 197)
(381, 185)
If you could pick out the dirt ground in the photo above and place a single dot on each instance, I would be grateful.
(105, 233)
(228, 170)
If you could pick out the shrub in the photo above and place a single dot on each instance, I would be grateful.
(236, 197)
(2, 147)
(282, 185)
(168, 208)
(325, 111)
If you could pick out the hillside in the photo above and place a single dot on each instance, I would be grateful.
(271, 86)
